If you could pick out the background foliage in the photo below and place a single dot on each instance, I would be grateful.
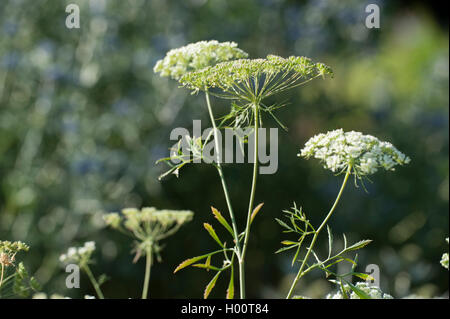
(83, 120)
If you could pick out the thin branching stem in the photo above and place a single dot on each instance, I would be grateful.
(93, 281)
(222, 178)
(250, 205)
(1, 276)
(313, 241)
(148, 267)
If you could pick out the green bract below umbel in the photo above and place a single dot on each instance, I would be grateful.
(255, 78)
(365, 153)
(196, 56)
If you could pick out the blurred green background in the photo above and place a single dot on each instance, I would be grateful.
(83, 119)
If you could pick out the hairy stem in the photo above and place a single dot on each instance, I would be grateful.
(148, 267)
(313, 241)
(93, 281)
(250, 205)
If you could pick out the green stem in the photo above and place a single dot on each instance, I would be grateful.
(148, 266)
(1, 276)
(93, 281)
(310, 248)
(222, 178)
(250, 205)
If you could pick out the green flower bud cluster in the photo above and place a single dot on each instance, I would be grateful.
(257, 77)
(8, 251)
(12, 247)
(148, 223)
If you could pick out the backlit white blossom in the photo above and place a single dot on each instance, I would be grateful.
(78, 255)
(365, 153)
(196, 56)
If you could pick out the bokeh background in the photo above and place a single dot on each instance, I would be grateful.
(83, 119)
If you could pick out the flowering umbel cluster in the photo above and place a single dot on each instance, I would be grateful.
(18, 282)
(255, 78)
(196, 56)
(8, 251)
(79, 255)
(365, 153)
(372, 291)
(148, 221)
(14, 247)
(148, 225)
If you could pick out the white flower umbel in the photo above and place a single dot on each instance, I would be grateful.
(196, 56)
(372, 291)
(82, 257)
(364, 153)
